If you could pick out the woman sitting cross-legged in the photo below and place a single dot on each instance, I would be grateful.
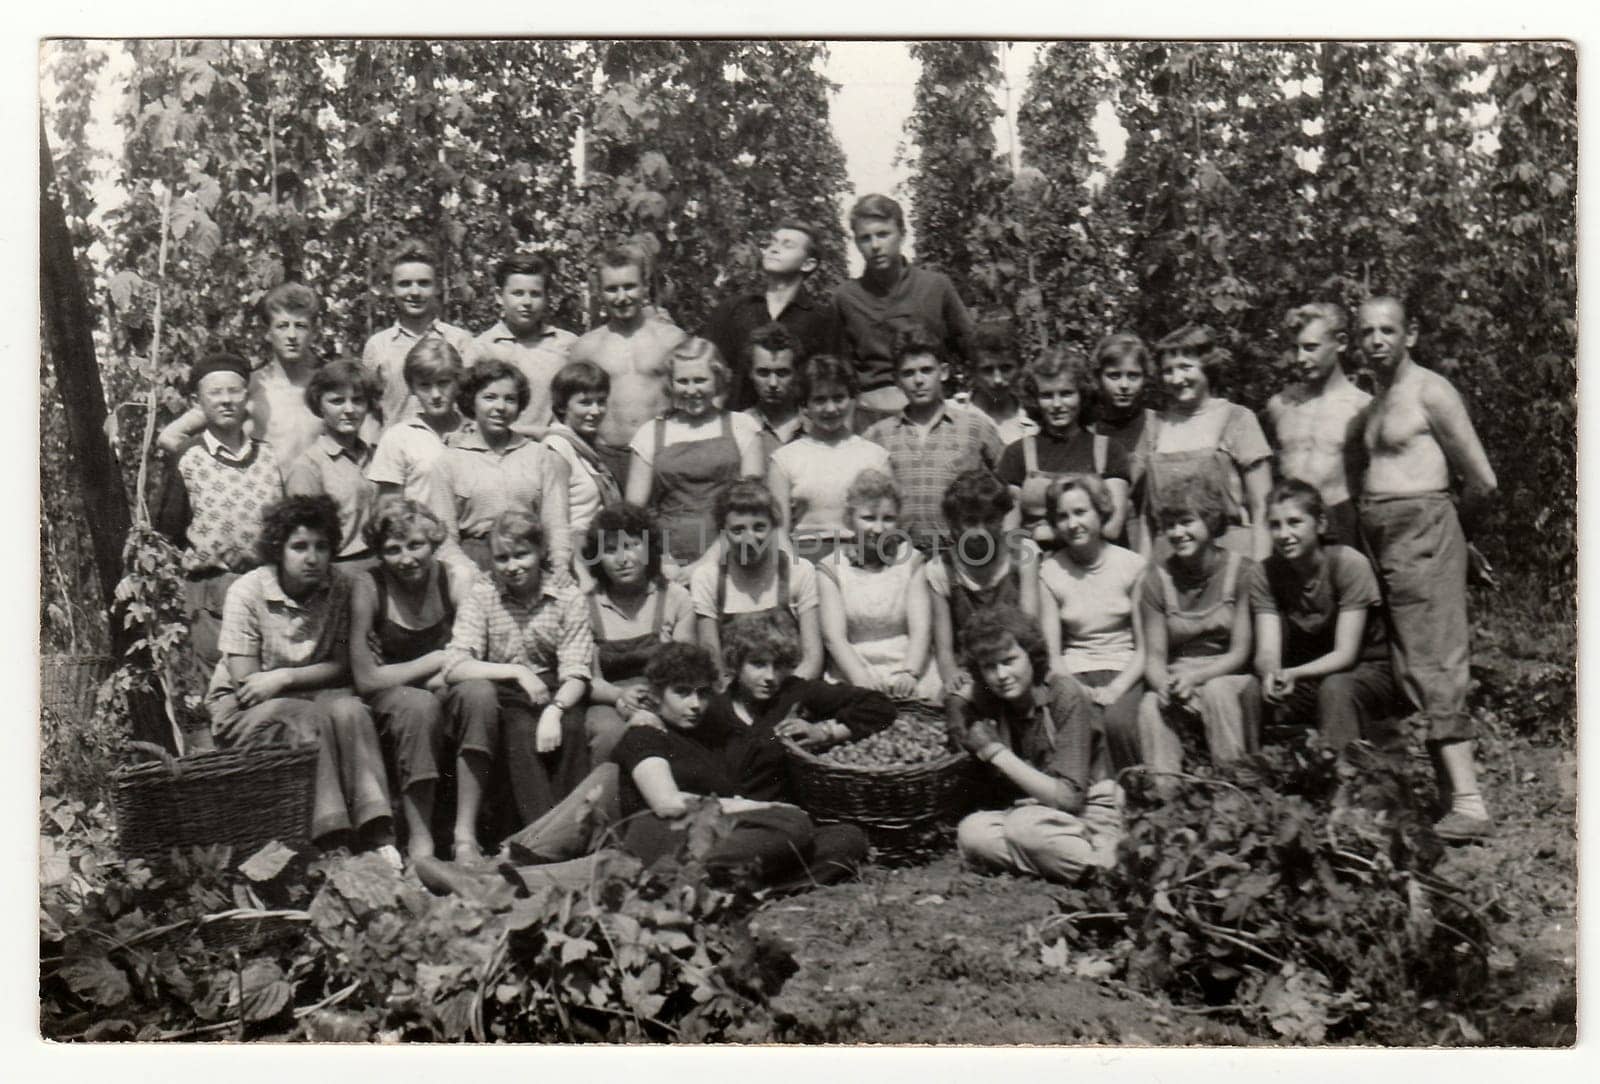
(285, 668)
(401, 614)
(633, 610)
(1037, 735)
(518, 665)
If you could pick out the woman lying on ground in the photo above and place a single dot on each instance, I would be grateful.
(285, 670)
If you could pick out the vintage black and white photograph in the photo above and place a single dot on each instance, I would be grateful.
(808, 541)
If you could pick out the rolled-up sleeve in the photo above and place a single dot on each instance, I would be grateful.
(469, 635)
(575, 648)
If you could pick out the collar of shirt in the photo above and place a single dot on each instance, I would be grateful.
(501, 333)
(333, 449)
(944, 415)
(785, 432)
(273, 592)
(399, 331)
(605, 602)
(901, 284)
(546, 590)
(221, 453)
(800, 300)
(469, 438)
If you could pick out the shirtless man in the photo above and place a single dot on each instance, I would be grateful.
(1315, 424)
(632, 346)
(1417, 435)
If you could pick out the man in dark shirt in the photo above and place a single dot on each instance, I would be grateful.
(789, 257)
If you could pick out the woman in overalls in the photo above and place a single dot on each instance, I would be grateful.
(1199, 435)
(682, 461)
(1196, 623)
(633, 610)
(756, 576)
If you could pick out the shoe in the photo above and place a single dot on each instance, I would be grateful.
(391, 854)
(1461, 828)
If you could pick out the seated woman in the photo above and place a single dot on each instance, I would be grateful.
(285, 664)
(487, 469)
(1196, 625)
(983, 567)
(1036, 733)
(633, 610)
(756, 576)
(876, 613)
(810, 476)
(704, 751)
(1322, 653)
(580, 394)
(517, 636)
(401, 615)
(1089, 586)
(684, 461)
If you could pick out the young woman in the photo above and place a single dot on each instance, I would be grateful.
(700, 754)
(756, 576)
(580, 394)
(518, 666)
(1053, 387)
(982, 567)
(1202, 435)
(683, 461)
(400, 620)
(1036, 734)
(810, 476)
(1121, 369)
(285, 663)
(342, 394)
(1321, 649)
(633, 610)
(876, 612)
(488, 469)
(1089, 585)
(1196, 624)
(403, 463)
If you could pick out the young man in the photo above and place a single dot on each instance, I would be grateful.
(994, 390)
(211, 505)
(1417, 435)
(773, 357)
(889, 293)
(632, 347)
(790, 256)
(930, 442)
(415, 289)
(275, 406)
(522, 285)
(1314, 424)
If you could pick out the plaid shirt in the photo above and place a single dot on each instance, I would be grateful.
(960, 439)
(261, 622)
(552, 634)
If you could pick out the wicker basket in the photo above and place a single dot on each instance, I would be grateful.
(244, 798)
(68, 683)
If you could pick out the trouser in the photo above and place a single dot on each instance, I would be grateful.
(1420, 553)
(604, 725)
(1120, 718)
(410, 723)
(351, 788)
(1359, 703)
(1227, 708)
(1043, 841)
(495, 720)
(1344, 524)
(777, 845)
(576, 825)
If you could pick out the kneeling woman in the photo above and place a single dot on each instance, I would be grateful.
(1037, 735)
(285, 667)
(517, 637)
(706, 750)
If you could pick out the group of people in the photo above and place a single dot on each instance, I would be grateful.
(511, 565)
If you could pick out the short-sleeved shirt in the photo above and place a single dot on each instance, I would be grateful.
(385, 354)
(261, 622)
(1074, 455)
(551, 635)
(819, 476)
(475, 483)
(1317, 436)
(279, 413)
(867, 319)
(811, 322)
(746, 435)
(539, 358)
(1095, 606)
(340, 473)
(1059, 735)
(676, 609)
(222, 499)
(1238, 437)
(924, 466)
(773, 436)
(1309, 608)
(708, 760)
(1201, 624)
(803, 595)
(405, 457)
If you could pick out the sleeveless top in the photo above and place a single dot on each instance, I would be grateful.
(779, 612)
(625, 658)
(394, 642)
(1205, 631)
(966, 601)
(1036, 483)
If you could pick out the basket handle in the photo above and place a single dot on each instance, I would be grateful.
(157, 753)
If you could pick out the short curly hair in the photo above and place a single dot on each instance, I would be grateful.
(1195, 495)
(757, 638)
(517, 525)
(293, 298)
(610, 524)
(680, 664)
(1064, 363)
(1090, 485)
(483, 374)
(282, 518)
(343, 373)
(993, 629)
(976, 494)
(872, 485)
(396, 517)
(1200, 341)
(824, 371)
(749, 496)
(411, 250)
